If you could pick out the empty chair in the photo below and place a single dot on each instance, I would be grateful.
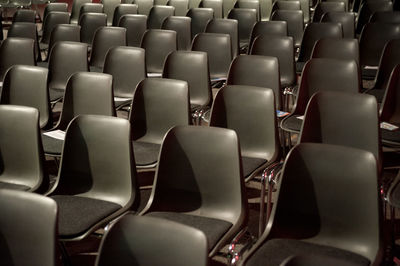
(347, 19)
(158, 105)
(61, 7)
(89, 23)
(90, 8)
(158, 14)
(64, 32)
(325, 228)
(97, 176)
(295, 24)
(279, 28)
(216, 5)
(246, 19)
(286, 5)
(86, 93)
(219, 50)
(24, 15)
(200, 18)
(367, 9)
(123, 9)
(194, 3)
(158, 44)
(312, 33)
(259, 143)
(144, 6)
(181, 6)
(182, 26)
(65, 59)
(228, 26)
(324, 7)
(39, 245)
(228, 5)
(128, 68)
(136, 26)
(76, 8)
(27, 86)
(25, 30)
(175, 243)
(265, 9)
(346, 4)
(16, 51)
(206, 155)
(50, 21)
(249, 4)
(109, 7)
(385, 17)
(256, 70)
(21, 150)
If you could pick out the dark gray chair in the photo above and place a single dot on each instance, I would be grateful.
(39, 238)
(158, 14)
(347, 49)
(228, 5)
(175, 243)
(209, 160)
(347, 19)
(24, 15)
(109, 8)
(249, 4)
(25, 30)
(200, 18)
(286, 5)
(216, 5)
(144, 6)
(304, 219)
(181, 6)
(64, 32)
(27, 86)
(61, 7)
(90, 8)
(158, 104)
(367, 9)
(121, 10)
(295, 23)
(246, 19)
(227, 26)
(89, 23)
(385, 17)
(50, 21)
(182, 26)
(324, 7)
(136, 26)
(76, 8)
(279, 28)
(22, 158)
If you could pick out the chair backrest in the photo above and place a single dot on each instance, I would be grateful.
(346, 4)
(62, 7)
(136, 26)
(158, 104)
(76, 8)
(278, 28)
(144, 6)
(390, 111)
(219, 50)
(295, 24)
(89, 23)
(109, 8)
(315, 31)
(52, 19)
(191, 67)
(24, 15)
(64, 32)
(87, 93)
(158, 14)
(91, 8)
(175, 243)
(194, 3)
(22, 158)
(367, 9)
(216, 5)
(209, 160)
(200, 18)
(27, 86)
(182, 26)
(228, 5)
(385, 17)
(246, 19)
(25, 30)
(347, 19)
(128, 68)
(65, 59)
(265, 9)
(22, 245)
(249, 4)
(123, 9)
(158, 44)
(16, 51)
(104, 39)
(228, 26)
(232, 108)
(181, 6)
(281, 47)
(324, 7)
(286, 5)
(256, 70)
(347, 49)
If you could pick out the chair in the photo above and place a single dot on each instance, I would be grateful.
(174, 243)
(246, 19)
(90, 8)
(347, 19)
(158, 44)
(121, 10)
(39, 245)
(97, 177)
(249, 4)
(347, 49)
(144, 6)
(206, 155)
(181, 6)
(65, 59)
(109, 8)
(128, 68)
(295, 24)
(104, 39)
(372, 42)
(50, 21)
(278, 28)
(313, 32)
(25, 30)
(318, 76)
(158, 14)
(158, 105)
(76, 8)
(228, 26)
(385, 17)
(215, 5)
(50, 7)
(136, 26)
(228, 5)
(324, 7)
(259, 138)
(22, 159)
(200, 18)
(16, 51)
(265, 9)
(219, 50)
(24, 15)
(86, 93)
(182, 26)
(27, 86)
(286, 5)
(322, 227)
(367, 9)
(194, 3)
(256, 70)
(89, 23)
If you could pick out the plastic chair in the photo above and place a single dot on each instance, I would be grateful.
(265, 9)
(228, 5)
(25, 30)
(278, 28)
(286, 5)
(158, 14)
(295, 24)
(64, 32)
(182, 26)
(136, 26)
(347, 49)
(75, 10)
(249, 4)
(50, 21)
(216, 5)
(181, 6)
(367, 9)
(144, 6)
(347, 19)
(385, 17)
(90, 8)
(24, 15)
(90, 23)
(123, 9)
(246, 19)
(61, 7)
(324, 7)
(200, 18)
(109, 8)
(227, 26)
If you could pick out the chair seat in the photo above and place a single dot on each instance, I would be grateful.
(275, 251)
(390, 137)
(378, 93)
(52, 146)
(5, 185)
(214, 229)
(77, 214)
(251, 164)
(146, 153)
(292, 123)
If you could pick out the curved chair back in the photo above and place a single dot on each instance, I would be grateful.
(25, 30)
(347, 49)
(89, 23)
(91, 8)
(215, 5)
(158, 14)
(246, 19)
(182, 26)
(64, 32)
(136, 26)
(286, 5)
(24, 15)
(61, 7)
(295, 23)
(385, 17)
(249, 4)
(227, 26)
(51, 20)
(144, 6)
(279, 28)
(390, 111)
(200, 18)
(123, 9)
(347, 19)
(367, 9)
(109, 8)
(324, 7)
(76, 8)
(181, 6)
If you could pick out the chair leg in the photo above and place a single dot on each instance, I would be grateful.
(66, 261)
(246, 239)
